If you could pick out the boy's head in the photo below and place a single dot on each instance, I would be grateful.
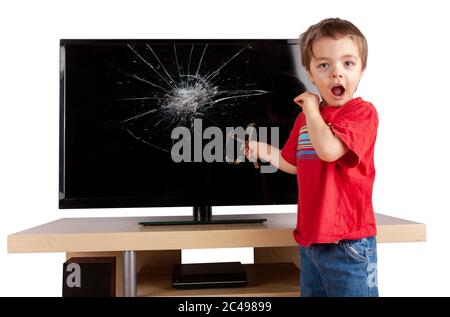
(334, 53)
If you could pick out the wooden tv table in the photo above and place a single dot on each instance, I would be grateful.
(145, 255)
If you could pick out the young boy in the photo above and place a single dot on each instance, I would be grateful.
(331, 149)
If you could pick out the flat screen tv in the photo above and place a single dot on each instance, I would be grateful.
(147, 123)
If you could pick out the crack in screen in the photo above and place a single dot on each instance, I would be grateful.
(163, 86)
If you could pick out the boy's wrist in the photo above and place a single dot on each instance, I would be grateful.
(268, 151)
(264, 151)
(311, 112)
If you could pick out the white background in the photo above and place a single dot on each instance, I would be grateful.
(407, 79)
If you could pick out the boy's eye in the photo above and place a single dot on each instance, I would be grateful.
(349, 63)
(323, 65)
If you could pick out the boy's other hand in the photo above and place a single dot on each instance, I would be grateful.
(308, 101)
(251, 150)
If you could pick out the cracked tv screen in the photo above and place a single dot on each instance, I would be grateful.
(159, 122)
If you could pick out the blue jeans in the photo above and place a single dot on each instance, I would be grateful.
(348, 268)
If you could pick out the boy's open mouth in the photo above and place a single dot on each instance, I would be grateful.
(338, 90)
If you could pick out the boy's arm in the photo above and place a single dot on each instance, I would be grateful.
(268, 153)
(328, 147)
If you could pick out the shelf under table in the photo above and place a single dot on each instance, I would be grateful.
(264, 279)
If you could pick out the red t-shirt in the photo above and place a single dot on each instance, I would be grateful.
(335, 198)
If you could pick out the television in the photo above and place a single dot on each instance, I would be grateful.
(147, 123)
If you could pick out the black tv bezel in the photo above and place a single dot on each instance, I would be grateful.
(134, 202)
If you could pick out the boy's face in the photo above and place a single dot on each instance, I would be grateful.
(335, 69)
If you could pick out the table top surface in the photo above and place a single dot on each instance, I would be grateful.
(125, 233)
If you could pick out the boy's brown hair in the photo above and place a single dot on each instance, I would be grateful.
(334, 28)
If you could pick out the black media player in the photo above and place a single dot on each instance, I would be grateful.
(209, 275)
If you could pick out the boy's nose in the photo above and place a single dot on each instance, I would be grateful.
(337, 72)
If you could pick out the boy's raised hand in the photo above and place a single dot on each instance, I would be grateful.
(308, 101)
